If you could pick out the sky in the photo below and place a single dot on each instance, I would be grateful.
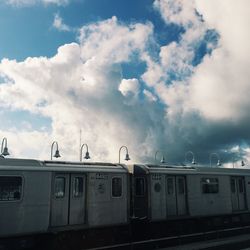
(154, 75)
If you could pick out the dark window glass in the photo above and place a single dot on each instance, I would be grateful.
(170, 186)
(59, 187)
(210, 185)
(241, 185)
(116, 187)
(157, 187)
(78, 187)
(139, 186)
(233, 185)
(181, 186)
(10, 188)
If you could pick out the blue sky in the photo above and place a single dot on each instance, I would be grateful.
(27, 30)
(149, 74)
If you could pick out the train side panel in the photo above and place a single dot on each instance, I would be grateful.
(158, 197)
(24, 202)
(107, 199)
(247, 184)
(209, 195)
(178, 193)
(168, 196)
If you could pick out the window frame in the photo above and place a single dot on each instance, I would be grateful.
(233, 187)
(73, 188)
(211, 184)
(173, 180)
(144, 187)
(157, 187)
(22, 189)
(117, 177)
(183, 186)
(54, 194)
(241, 186)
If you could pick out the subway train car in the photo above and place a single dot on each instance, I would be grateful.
(103, 202)
(39, 197)
(172, 198)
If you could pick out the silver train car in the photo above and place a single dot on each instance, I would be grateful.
(50, 197)
(41, 197)
(177, 199)
(168, 192)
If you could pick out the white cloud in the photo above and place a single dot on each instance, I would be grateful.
(208, 101)
(176, 58)
(58, 23)
(130, 89)
(107, 40)
(79, 89)
(203, 107)
(150, 96)
(58, 2)
(220, 85)
(180, 12)
(129, 86)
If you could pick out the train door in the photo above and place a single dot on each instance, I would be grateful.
(238, 193)
(171, 196)
(60, 200)
(77, 200)
(68, 199)
(181, 195)
(140, 197)
(176, 195)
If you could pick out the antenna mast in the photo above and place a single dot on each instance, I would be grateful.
(80, 141)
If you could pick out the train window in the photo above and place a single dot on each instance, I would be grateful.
(59, 187)
(233, 190)
(157, 187)
(241, 185)
(78, 187)
(116, 187)
(10, 188)
(139, 186)
(181, 186)
(210, 185)
(170, 186)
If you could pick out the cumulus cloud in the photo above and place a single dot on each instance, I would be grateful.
(106, 39)
(179, 12)
(175, 60)
(217, 87)
(207, 103)
(183, 101)
(58, 23)
(129, 86)
(78, 88)
(149, 95)
(220, 86)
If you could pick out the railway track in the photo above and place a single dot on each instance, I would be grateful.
(231, 238)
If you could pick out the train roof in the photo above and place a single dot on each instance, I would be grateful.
(191, 169)
(37, 165)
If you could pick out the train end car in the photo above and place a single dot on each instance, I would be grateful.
(184, 199)
(25, 193)
(52, 197)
